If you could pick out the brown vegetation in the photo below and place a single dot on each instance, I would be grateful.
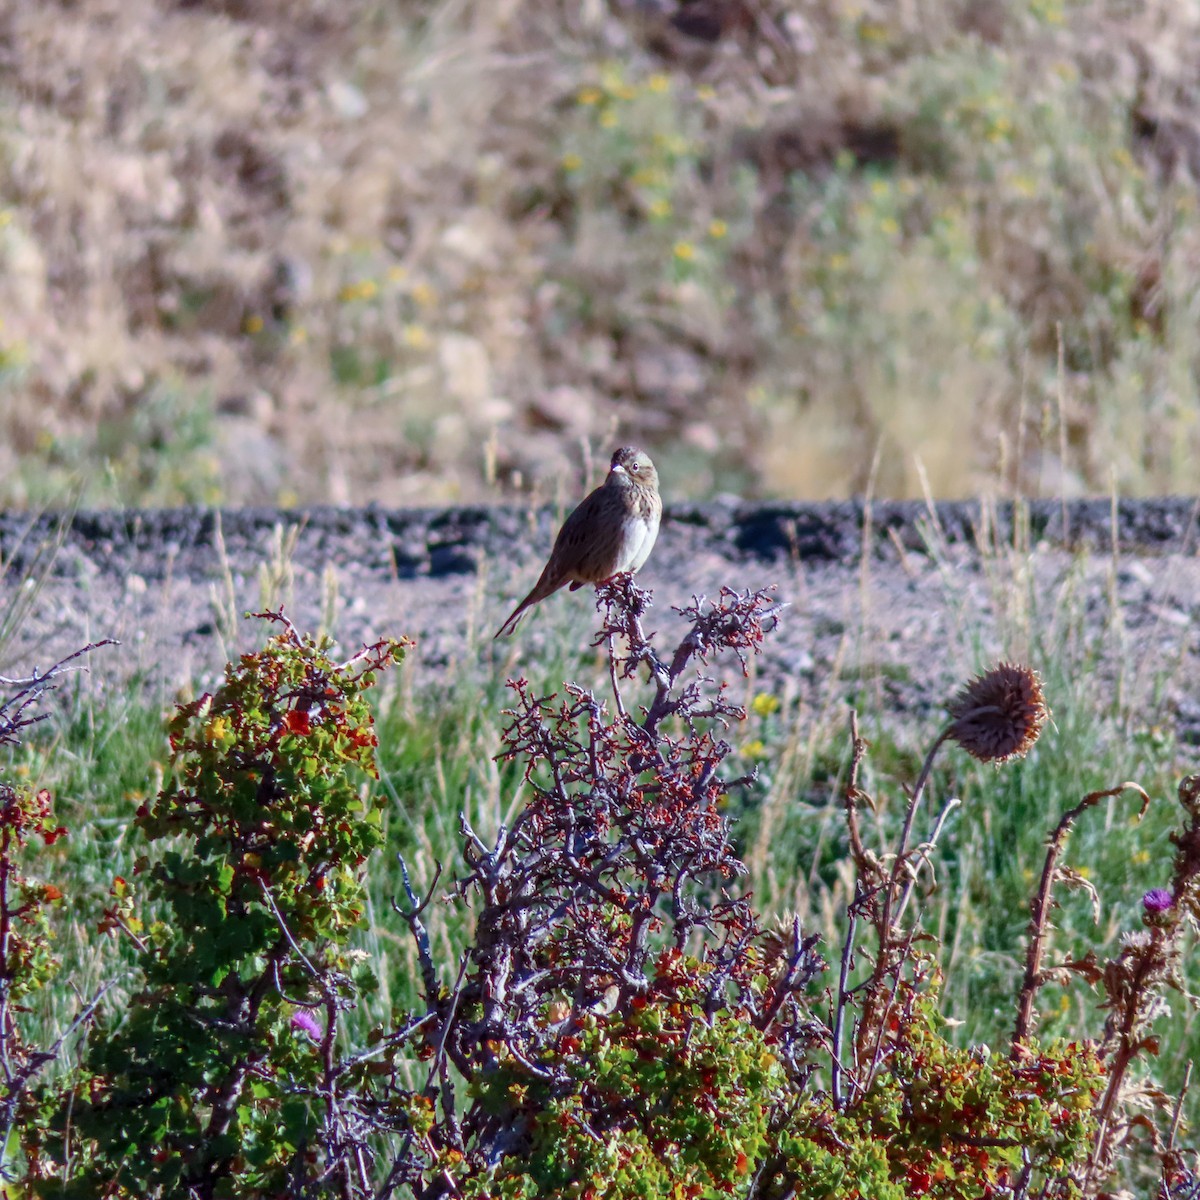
(257, 251)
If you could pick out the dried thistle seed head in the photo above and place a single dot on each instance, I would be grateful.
(1000, 714)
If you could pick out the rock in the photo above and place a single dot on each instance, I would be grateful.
(563, 408)
(466, 368)
(347, 101)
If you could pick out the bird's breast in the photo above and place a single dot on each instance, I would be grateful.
(637, 541)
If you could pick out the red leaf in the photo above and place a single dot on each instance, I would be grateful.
(296, 721)
(50, 836)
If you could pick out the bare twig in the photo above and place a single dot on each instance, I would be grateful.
(59, 668)
(1177, 1112)
(843, 996)
(16, 1083)
(287, 933)
(31, 689)
(412, 917)
(899, 863)
(924, 853)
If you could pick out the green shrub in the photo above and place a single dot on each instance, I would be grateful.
(217, 1080)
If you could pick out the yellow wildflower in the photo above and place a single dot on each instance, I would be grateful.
(424, 294)
(364, 289)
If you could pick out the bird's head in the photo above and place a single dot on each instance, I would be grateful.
(632, 467)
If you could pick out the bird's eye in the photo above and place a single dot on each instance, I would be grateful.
(634, 467)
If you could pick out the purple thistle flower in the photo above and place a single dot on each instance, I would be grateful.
(306, 1023)
(1158, 900)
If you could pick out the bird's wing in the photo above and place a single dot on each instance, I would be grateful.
(570, 546)
(577, 533)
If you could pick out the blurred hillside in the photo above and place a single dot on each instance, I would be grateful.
(432, 250)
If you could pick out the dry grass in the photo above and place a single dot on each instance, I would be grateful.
(264, 251)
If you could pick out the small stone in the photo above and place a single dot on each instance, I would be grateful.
(466, 368)
(564, 408)
(669, 372)
(348, 102)
(1133, 571)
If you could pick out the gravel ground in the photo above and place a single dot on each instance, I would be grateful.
(897, 598)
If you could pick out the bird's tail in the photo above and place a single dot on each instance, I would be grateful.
(550, 580)
(514, 619)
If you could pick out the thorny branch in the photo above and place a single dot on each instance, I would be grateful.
(19, 1062)
(1043, 900)
(997, 716)
(1134, 979)
(15, 711)
(618, 868)
(882, 890)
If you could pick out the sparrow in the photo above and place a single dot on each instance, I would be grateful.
(611, 532)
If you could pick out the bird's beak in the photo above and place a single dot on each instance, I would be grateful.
(617, 469)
